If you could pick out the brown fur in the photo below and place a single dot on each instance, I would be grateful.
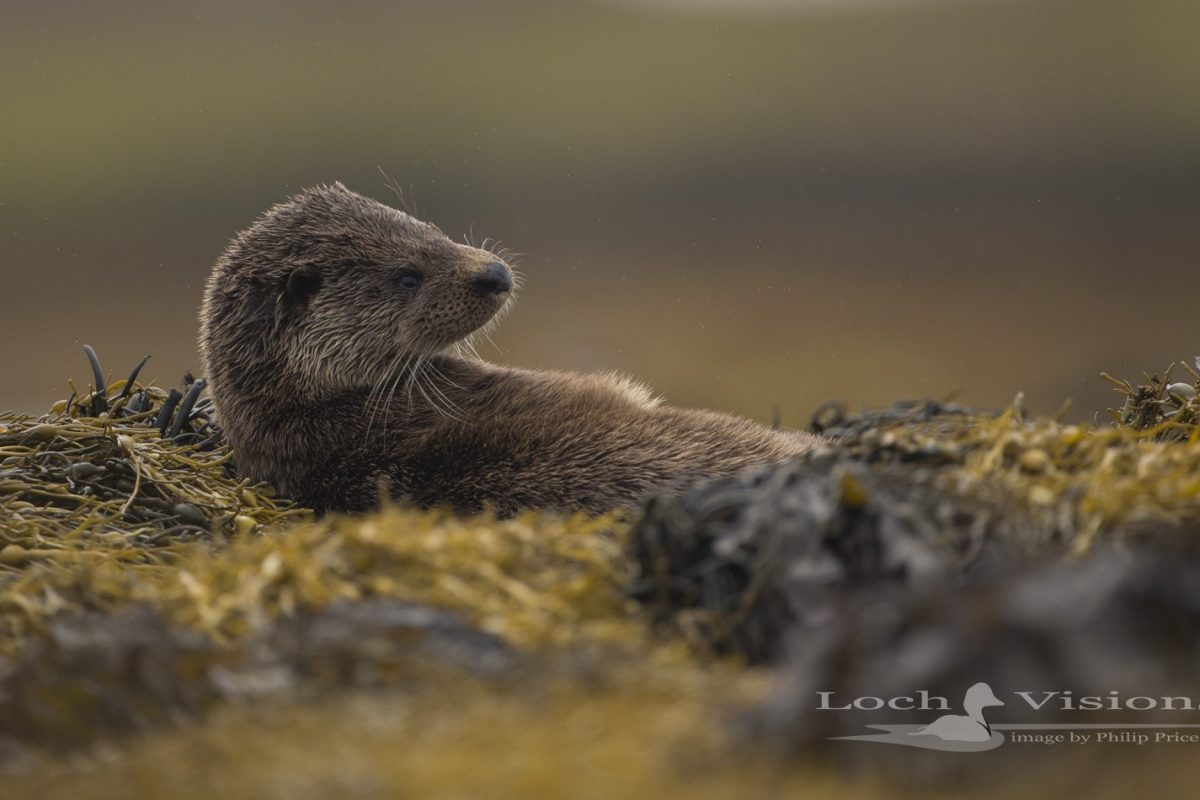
(331, 378)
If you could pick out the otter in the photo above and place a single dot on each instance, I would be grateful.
(335, 334)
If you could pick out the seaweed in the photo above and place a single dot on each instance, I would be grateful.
(96, 477)
(144, 587)
(738, 565)
(1169, 409)
(915, 493)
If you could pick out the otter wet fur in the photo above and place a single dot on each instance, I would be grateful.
(336, 337)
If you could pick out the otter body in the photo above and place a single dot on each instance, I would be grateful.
(332, 336)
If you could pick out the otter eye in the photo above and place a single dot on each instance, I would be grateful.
(408, 278)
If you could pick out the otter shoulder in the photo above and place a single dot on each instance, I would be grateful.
(638, 392)
(610, 384)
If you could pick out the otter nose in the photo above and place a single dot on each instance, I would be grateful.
(495, 279)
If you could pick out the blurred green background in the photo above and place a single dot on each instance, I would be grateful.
(744, 204)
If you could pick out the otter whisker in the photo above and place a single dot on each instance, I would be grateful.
(378, 384)
(428, 399)
(373, 408)
(414, 382)
(505, 254)
(422, 373)
(484, 332)
(433, 373)
(392, 184)
(422, 382)
(379, 409)
(445, 377)
(377, 389)
(450, 411)
(387, 403)
(408, 201)
(413, 374)
(370, 407)
(466, 348)
(386, 400)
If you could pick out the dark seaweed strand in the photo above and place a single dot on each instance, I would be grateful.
(185, 409)
(132, 377)
(168, 408)
(99, 398)
(138, 403)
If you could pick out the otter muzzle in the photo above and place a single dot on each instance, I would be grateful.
(495, 279)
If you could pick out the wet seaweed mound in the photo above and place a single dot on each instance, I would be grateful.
(929, 547)
(740, 563)
(123, 467)
(914, 494)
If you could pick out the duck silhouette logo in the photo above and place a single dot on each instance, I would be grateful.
(960, 733)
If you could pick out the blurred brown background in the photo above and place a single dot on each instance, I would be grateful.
(744, 204)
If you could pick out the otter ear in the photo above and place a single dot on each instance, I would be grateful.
(302, 284)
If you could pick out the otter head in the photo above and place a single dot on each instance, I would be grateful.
(332, 290)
